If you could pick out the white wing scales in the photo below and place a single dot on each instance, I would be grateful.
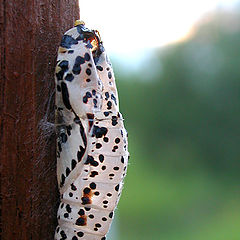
(92, 141)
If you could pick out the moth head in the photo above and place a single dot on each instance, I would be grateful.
(91, 37)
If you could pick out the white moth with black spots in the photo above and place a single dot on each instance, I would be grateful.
(92, 148)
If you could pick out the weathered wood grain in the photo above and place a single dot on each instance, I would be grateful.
(30, 33)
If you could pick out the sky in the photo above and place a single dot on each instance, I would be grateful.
(129, 28)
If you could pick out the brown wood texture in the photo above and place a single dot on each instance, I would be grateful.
(30, 32)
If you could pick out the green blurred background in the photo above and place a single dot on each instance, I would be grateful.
(182, 113)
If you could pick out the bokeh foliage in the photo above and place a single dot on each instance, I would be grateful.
(184, 138)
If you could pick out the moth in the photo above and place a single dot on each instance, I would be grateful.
(92, 147)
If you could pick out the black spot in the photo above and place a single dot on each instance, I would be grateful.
(74, 238)
(79, 60)
(94, 92)
(107, 95)
(80, 234)
(88, 95)
(85, 200)
(99, 68)
(98, 145)
(117, 188)
(80, 221)
(96, 193)
(88, 71)
(109, 194)
(69, 77)
(106, 114)
(68, 41)
(81, 212)
(85, 99)
(105, 202)
(76, 69)
(65, 96)
(68, 208)
(95, 229)
(101, 158)
(87, 209)
(63, 137)
(104, 167)
(87, 57)
(62, 180)
(66, 215)
(98, 225)
(67, 171)
(105, 206)
(114, 120)
(117, 140)
(99, 131)
(105, 139)
(63, 235)
(111, 214)
(88, 80)
(116, 168)
(104, 219)
(93, 173)
(90, 160)
(70, 194)
(92, 185)
(71, 51)
(95, 102)
(73, 187)
(91, 216)
(86, 190)
(122, 159)
(103, 238)
(109, 105)
(74, 163)
(109, 75)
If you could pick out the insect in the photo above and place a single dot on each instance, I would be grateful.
(92, 148)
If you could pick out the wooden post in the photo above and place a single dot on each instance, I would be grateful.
(30, 32)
